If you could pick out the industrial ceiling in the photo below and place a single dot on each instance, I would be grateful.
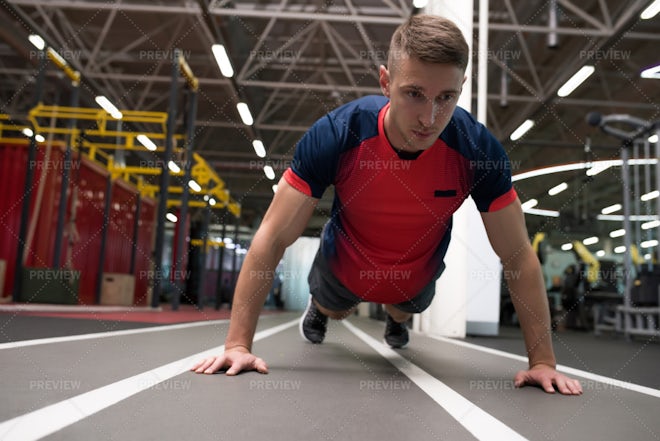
(294, 60)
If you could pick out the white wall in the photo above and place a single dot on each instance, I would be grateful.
(296, 262)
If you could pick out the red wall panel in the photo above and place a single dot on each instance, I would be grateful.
(82, 238)
(144, 253)
(13, 159)
(120, 229)
(88, 187)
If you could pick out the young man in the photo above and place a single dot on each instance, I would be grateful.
(401, 165)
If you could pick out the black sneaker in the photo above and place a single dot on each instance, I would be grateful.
(396, 334)
(313, 324)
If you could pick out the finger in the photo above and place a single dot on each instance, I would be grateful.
(562, 385)
(260, 366)
(217, 364)
(202, 365)
(520, 379)
(546, 384)
(575, 387)
(234, 369)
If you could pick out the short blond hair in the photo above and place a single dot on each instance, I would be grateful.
(429, 38)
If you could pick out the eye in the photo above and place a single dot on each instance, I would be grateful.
(416, 94)
(446, 97)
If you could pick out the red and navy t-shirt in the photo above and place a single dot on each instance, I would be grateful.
(392, 215)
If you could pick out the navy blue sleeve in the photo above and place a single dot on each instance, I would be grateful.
(317, 155)
(489, 164)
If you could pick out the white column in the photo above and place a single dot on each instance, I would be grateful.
(468, 293)
(296, 263)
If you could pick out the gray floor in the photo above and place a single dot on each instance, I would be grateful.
(340, 390)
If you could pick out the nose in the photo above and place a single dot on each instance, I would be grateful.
(428, 114)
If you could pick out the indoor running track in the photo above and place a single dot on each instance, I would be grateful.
(135, 384)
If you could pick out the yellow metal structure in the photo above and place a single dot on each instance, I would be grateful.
(186, 71)
(201, 172)
(536, 242)
(593, 265)
(60, 62)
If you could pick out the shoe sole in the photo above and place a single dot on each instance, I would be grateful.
(300, 324)
(394, 347)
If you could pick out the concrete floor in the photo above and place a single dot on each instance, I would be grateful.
(130, 381)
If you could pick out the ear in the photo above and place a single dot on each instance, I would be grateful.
(384, 80)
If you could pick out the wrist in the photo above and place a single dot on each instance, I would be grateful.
(237, 347)
(539, 364)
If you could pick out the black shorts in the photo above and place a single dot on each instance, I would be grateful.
(333, 295)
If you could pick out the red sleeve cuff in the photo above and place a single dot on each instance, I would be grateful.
(297, 182)
(503, 200)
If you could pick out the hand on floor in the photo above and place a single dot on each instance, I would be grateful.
(547, 377)
(235, 360)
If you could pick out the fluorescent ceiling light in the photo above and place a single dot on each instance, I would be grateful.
(653, 139)
(596, 169)
(648, 196)
(651, 72)
(244, 111)
(590, 240)
(611, 209)
(274, 188)
(574, 81)
(39, 138)
(541, 212)
(600, 253)
(620, 249)
(558, 189)
(578, 166)
(173, 167)
(270, 174)
(171, 217)
(649, 243)
(618, 233)
(651, 11)
(37, 41)
(27, 132)
(108, 107)
(520, 131)
(620, 217)
(259, 148)
(529, 204)
(567, 247)
(211, 202)
(649, 225)
(194, 186)
(146, 142)
(222, 59)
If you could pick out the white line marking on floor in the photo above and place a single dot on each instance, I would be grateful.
(565, 369)
(68, 338)
(50, 419)
(475, 420)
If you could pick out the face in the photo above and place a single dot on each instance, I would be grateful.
(423, 97)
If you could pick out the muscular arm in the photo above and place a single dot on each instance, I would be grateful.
(508, 236)
(282, 224)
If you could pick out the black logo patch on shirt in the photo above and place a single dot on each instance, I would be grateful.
(444, 193)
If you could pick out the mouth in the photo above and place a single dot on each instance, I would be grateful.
(420, 134)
